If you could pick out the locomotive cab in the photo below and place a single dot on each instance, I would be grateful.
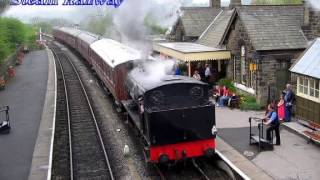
(175, 117)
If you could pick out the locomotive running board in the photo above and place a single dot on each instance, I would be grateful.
(134, 116)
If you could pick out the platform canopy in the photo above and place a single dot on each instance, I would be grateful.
(309, 63)
(191, 52)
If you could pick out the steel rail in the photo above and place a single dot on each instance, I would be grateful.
(199, 169)
(92, 115)
(94, 119)
(68, 114)
(162, 177)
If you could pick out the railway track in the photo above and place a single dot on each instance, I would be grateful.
(79, 153)
(202, 169)
(65, 170)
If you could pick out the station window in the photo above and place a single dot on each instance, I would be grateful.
(308, 86)
(243, 65)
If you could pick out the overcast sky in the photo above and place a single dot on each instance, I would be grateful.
(72, 12)
(27, 12)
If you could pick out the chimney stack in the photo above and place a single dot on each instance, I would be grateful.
(215, 3)
(234, 3)
(306, 19)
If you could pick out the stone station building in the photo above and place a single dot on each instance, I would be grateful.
(264, 41)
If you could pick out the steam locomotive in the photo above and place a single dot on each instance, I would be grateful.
(173, 114)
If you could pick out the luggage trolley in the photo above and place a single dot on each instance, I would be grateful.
(259, 139)
(5, 124)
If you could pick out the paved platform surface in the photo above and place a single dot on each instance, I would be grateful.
(25, 95)
(293, 159)
(42, 155)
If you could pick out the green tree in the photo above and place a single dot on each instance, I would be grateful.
(98, 23)
(13, 33)
(152, 26)
(4, 4)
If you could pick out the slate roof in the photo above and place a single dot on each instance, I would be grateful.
(195, 20)
(273, 27)
(214, 34)
(309, 63)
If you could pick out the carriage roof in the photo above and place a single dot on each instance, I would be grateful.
(113, 52)
(88, 37)
(71, 31)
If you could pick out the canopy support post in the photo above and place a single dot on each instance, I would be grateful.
(189, 68)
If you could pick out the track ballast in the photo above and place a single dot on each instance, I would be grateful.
(83, 151)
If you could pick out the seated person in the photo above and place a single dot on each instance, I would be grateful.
(196, 75)
(272, 121)
(225, 97)
(217, 93)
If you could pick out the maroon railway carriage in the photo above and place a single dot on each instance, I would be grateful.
(79, 40)
(84, 40)
(110, 60)
(67, 35)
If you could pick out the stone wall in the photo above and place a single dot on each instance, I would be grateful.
(312, 29)
(236, 38)
(178, 35)
(177, 32)
(273, 66)
(315, 23)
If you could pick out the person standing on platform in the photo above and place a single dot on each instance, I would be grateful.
(288, 99)
(281, 108)
(273, 122)
(177, 70)
(207, 73)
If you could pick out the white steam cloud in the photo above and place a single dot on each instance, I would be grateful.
(154, 71)
(315, 4)
(129, 20)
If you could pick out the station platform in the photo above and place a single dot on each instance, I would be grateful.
(295, 158)
(27, 95)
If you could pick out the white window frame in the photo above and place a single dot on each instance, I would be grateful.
(304, 88)
(243, 72)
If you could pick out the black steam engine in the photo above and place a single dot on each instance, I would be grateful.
(174, 115)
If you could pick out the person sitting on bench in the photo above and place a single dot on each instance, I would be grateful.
(273, 122)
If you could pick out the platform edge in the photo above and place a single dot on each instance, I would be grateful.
(42, 156)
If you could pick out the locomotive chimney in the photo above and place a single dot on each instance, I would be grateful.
(215, 3)
(234, 3)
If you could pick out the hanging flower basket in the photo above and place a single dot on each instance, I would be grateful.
(2, 83)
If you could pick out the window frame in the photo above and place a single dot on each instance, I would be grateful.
(307, 89)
